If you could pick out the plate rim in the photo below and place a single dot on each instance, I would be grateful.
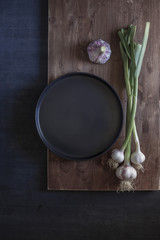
(44, 140)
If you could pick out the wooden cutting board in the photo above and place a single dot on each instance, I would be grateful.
(72, 25)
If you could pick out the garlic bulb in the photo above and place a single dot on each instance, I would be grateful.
(99, 51)
(137, 157)
(126, 172)
(117, 155)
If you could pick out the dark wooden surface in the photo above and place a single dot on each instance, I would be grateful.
(27, 210)
(72, 25)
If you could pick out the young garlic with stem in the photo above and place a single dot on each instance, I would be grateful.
(137, 157)
(132, 56)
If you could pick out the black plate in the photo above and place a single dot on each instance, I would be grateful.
(79, 116)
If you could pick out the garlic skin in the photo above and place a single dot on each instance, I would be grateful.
(117, 155)
(99, 51)
(126, 172)
(137, 157)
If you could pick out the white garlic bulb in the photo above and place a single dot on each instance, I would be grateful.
(126, 172)
(137, 157)
(117, 155)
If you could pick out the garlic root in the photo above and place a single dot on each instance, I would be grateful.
(112, 164)
(125, 186)
(139, 167)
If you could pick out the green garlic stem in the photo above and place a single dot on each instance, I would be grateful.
(133, 113)
(133, 63)
(136, 138)
(128, 148)
(143, 48)
(136, 57)
(125, 45)
(137, 52)
(127, 153)
(128, 90)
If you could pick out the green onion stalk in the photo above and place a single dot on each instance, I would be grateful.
(132, 55)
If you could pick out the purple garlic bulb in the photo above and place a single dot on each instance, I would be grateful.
(99, 51)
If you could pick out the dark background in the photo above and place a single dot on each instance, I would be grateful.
(27, 209)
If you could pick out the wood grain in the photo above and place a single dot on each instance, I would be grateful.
(72, 25)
